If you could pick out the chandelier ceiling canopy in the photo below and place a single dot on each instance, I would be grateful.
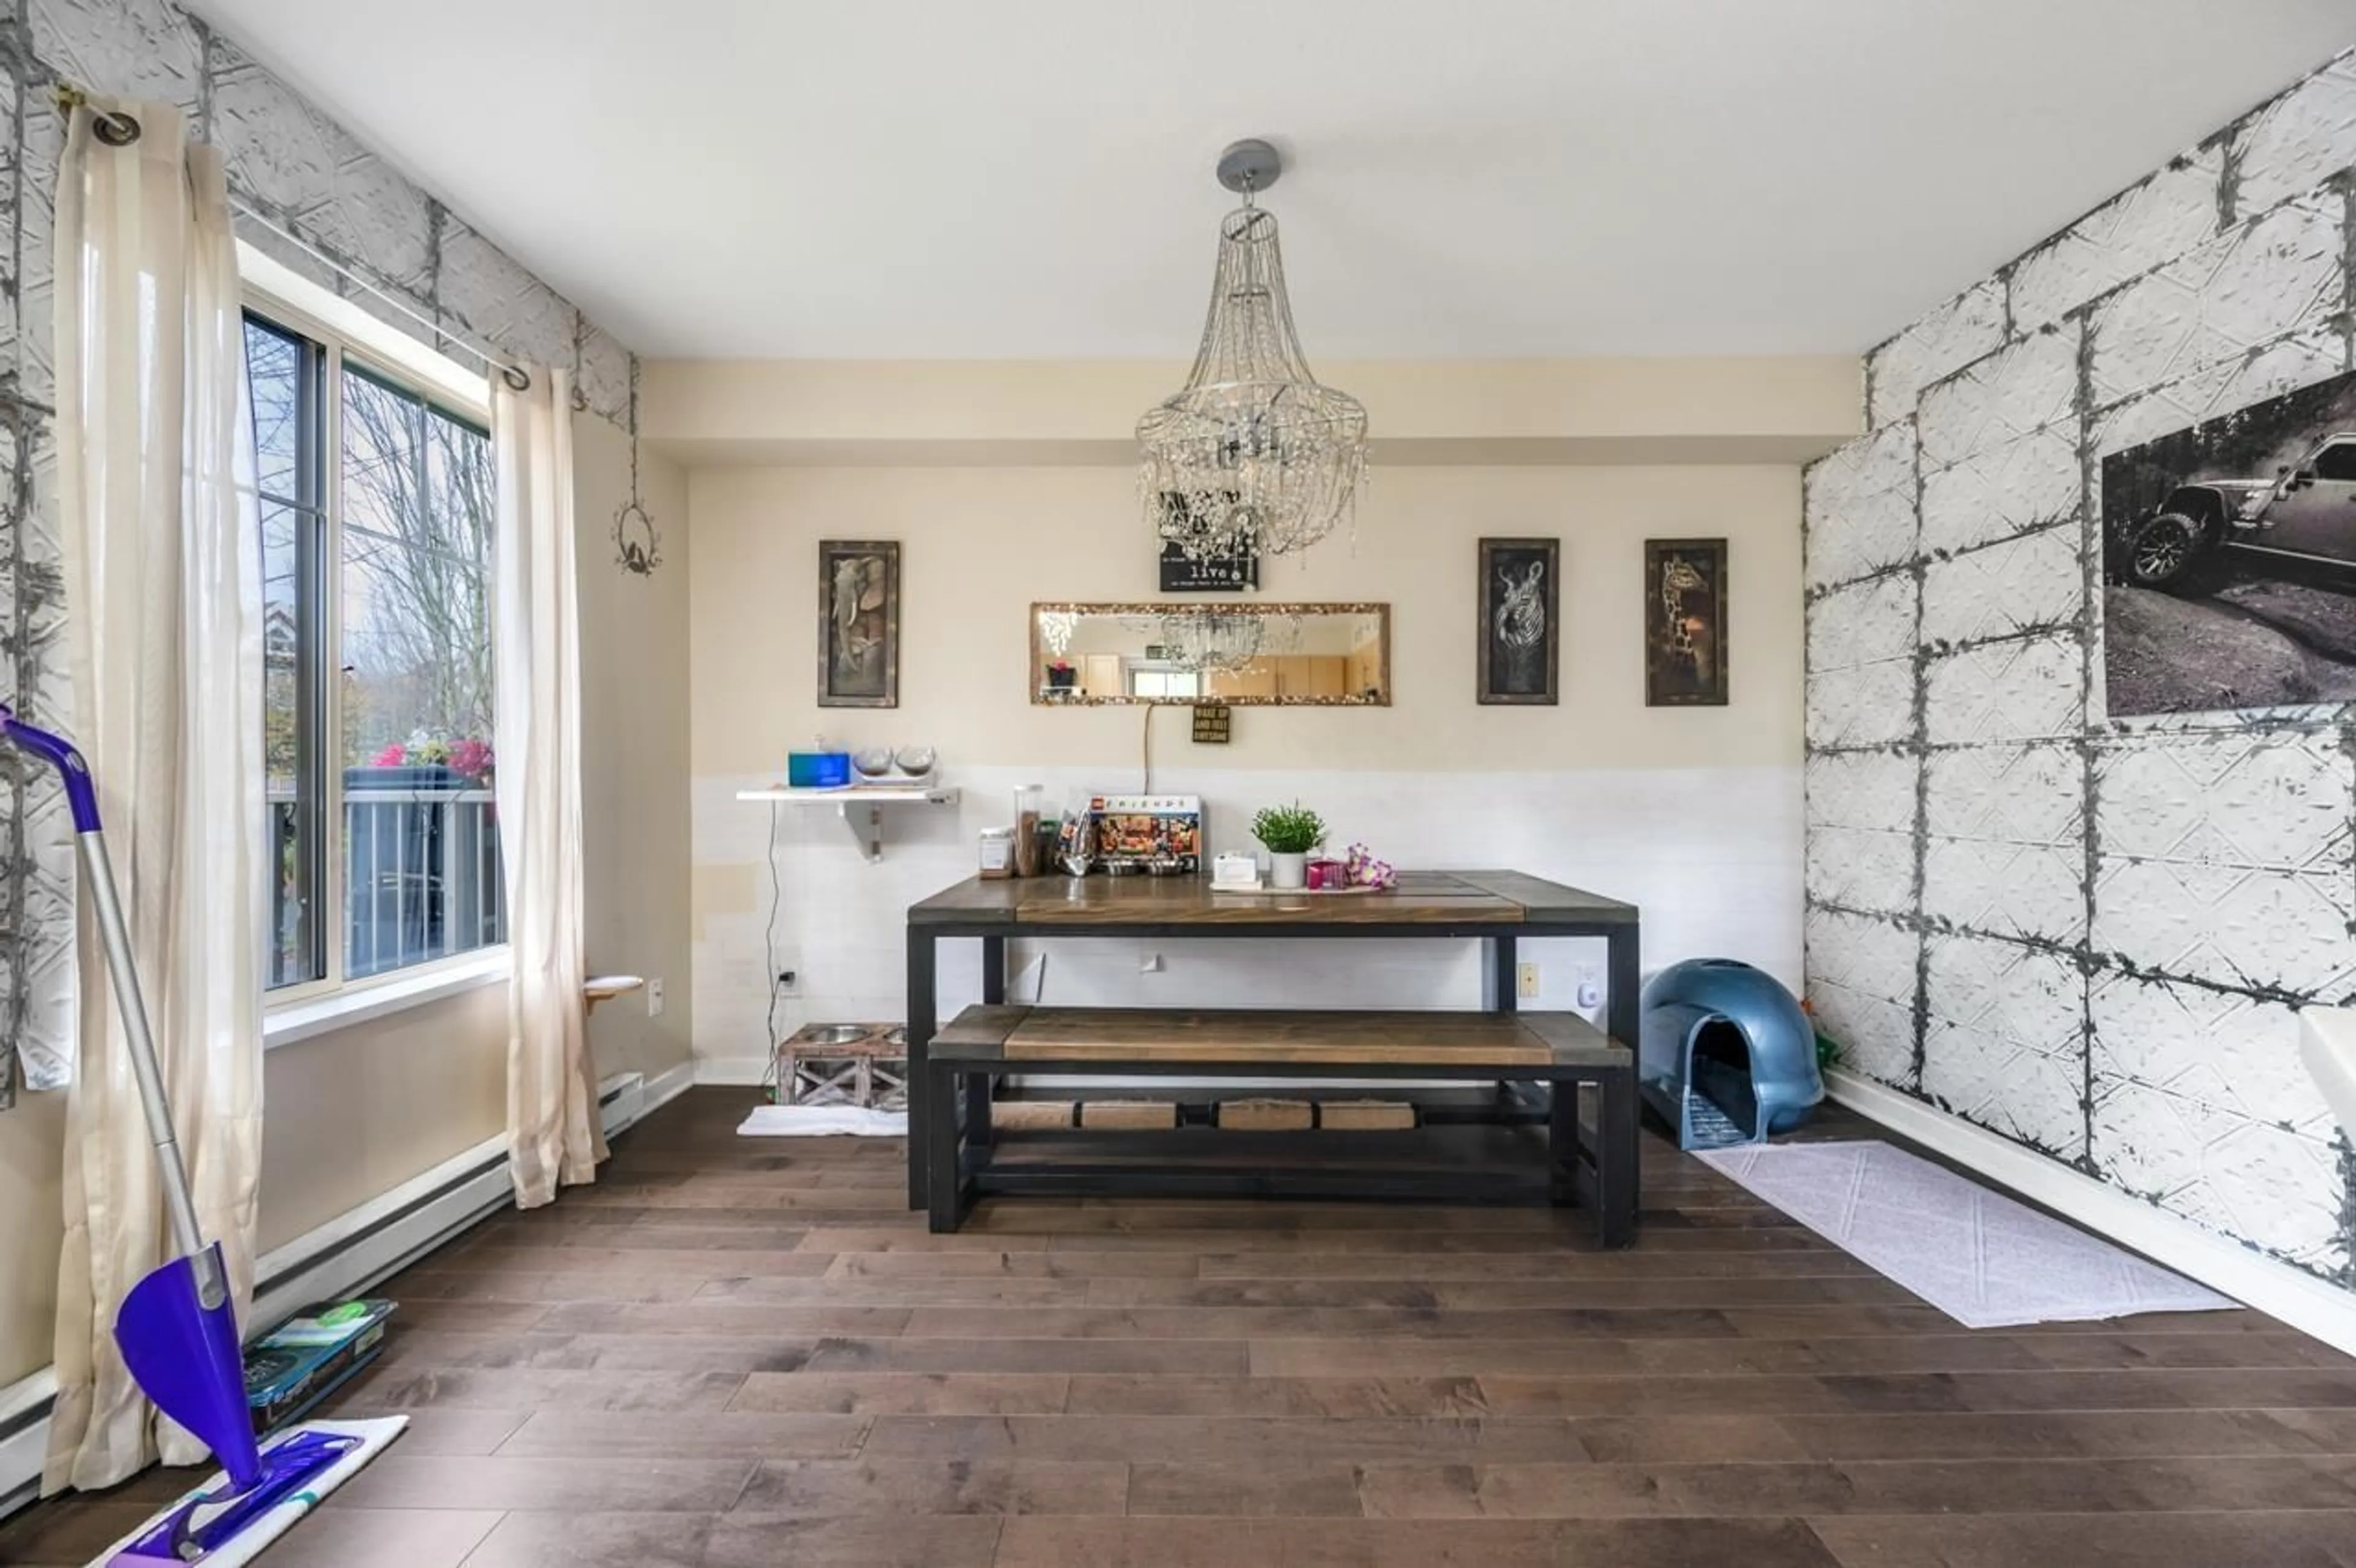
(1254, 454)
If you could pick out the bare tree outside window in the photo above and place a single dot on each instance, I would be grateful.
(378, 720)
(416, 692)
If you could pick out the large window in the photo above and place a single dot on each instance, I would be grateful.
(377, 550)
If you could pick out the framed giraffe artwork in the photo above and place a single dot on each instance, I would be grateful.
(1520, 658)
(1685, 622)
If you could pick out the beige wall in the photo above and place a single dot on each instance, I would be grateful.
(350, 1115)
(32, 1157)
(634, 741)
(1695, 814)
(979, 544)
(1451, 412)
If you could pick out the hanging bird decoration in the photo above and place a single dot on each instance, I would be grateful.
(638, 547)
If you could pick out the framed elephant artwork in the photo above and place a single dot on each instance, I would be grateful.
(1520, 658)
(858, 624)
(1685, 622)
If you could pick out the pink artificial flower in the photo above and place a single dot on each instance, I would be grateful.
(471, 758)
(391, 756)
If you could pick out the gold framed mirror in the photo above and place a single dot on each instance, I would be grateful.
(1243, 653)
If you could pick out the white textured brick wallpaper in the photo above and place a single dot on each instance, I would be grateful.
(315, 179)
(2092, 938)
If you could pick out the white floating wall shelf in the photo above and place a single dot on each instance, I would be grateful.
(861, 806)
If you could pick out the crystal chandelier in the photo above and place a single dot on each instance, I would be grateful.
(1254, 455)
(1210, 639)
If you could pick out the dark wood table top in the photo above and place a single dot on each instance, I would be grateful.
(1421, 898)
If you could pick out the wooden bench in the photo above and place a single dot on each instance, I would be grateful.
(1556, 1052)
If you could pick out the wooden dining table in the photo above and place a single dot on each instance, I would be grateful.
(1496, 907)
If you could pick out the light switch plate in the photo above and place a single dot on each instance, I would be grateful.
(1527, 980)
(655, 997)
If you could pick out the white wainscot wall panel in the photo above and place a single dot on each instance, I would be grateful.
(2272, 276)
(1870, 790)
(2024, 388)
(1710, 881)
(2011, 488)
(1871, 705)
(2299, 140)
(2226, 857)
(1955, 334)
(2004, 691)
(1862, 623)
(2300, 360)
(1862, 982)
(2200, 1105)
(2005, 1045)
(2021, 584)
(2163, 217)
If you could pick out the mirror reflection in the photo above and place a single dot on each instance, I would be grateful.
(1309, 656)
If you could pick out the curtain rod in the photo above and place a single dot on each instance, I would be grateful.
(117, 129)
(517, 375)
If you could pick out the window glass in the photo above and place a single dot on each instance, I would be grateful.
(376, 517)
(2337, 462)
(422, 855)
(283, 376)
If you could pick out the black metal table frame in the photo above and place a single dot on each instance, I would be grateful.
(1600, 1175)
(1498, 986)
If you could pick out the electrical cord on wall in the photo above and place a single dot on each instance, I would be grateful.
(769, 948)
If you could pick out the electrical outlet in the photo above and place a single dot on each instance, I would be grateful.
(789, 983)
(1527, 980)
(655, 997)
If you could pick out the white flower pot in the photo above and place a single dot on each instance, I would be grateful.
(1288, 870)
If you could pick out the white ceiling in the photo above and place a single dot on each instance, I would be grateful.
(898, 178)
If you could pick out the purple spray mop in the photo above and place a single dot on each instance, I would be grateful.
(177, 1328)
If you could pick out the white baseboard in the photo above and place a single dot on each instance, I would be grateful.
(666, 1086)
(345, 1257)
(732, 1070)
(2299, 1299)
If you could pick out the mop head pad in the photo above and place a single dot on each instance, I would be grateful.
(249, 1544)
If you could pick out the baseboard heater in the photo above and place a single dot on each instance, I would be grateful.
(341, 1258)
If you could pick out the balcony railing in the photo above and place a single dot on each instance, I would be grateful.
(421, 879)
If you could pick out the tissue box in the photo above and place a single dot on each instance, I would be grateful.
(1235, 871)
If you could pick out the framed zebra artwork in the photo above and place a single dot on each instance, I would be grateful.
(1521, 613)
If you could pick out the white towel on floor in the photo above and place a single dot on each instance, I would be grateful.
(822, 1121)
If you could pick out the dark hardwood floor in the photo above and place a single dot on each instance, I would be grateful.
(745, 1353)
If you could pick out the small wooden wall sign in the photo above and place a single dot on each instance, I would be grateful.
(1211, 724)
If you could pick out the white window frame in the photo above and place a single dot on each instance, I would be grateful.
(345, 332)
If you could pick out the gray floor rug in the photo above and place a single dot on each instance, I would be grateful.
(1981, 1258)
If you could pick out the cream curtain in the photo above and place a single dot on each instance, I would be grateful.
(553, 1135)
(163, 593)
